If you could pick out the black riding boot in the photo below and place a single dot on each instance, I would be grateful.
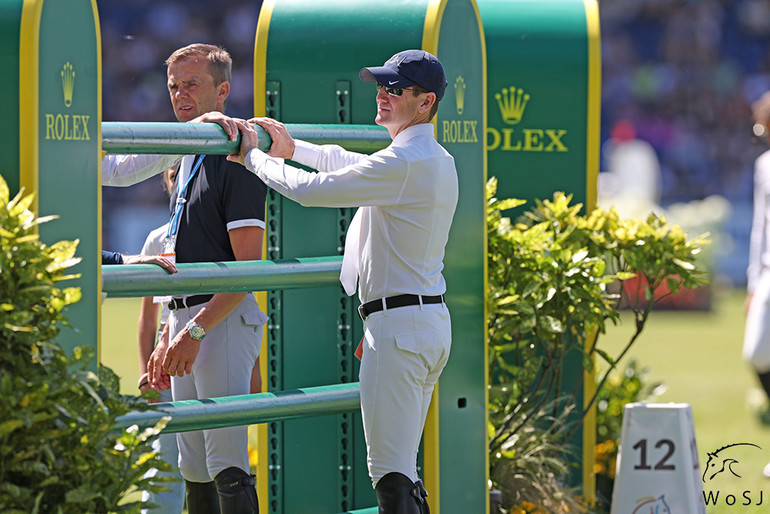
(202, 497)
(396, 494)
(237, 492)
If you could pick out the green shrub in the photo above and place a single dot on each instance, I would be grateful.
(58, 450)
(549, 296)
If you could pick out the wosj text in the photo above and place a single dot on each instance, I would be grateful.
(745, 499)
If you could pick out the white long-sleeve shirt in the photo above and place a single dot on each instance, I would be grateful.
(407, 195)
(759, 253)
(127, 170)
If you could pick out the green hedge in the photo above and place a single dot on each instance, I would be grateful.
(59, 451)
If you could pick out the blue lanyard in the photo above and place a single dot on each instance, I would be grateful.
(173, 225)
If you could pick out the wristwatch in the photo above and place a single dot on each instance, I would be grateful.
(196, 331)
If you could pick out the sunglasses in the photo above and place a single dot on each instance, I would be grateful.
(393, 91)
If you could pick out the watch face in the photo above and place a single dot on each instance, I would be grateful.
(196, 331)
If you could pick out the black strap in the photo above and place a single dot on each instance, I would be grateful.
(393, 302)
(189, 301)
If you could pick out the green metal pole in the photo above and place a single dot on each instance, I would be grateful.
(134, 280)
(209, 138)
(248, 409)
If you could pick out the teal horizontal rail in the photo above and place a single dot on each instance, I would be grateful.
(209, 138)
(248, 409)
(370, 510)
(133, 280)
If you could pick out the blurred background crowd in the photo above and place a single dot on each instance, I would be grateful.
(679, 75)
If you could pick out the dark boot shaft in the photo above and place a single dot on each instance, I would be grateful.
(202, 497)
(237, 492)
(396, 494)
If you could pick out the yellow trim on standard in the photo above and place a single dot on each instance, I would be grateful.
(594, 102)
(484, 121)
(260, 57)
(589, 425)
(29, 88)
(432, 26)
(260, 86)
(592, 177)
(431, 440)
(99, 154)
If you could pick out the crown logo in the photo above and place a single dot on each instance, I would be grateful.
(68, 83)
(512, 102)
(460, 94)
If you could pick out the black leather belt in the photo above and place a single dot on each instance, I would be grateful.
(393, 302)
(189, 301)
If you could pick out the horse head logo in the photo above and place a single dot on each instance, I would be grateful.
(718, 462)
(652, 505)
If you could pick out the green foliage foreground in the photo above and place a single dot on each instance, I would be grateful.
(553, 280)
(58, 450)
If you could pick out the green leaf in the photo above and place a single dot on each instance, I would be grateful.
(604, 355)
(81, 495)
(510, 203)
(9, 426)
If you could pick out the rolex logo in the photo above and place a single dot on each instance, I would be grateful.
(460, 94)
(512, 103)
(68, 83)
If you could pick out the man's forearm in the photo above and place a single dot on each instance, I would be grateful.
(218, 308)
(127, 170)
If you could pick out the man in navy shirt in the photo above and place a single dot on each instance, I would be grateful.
(218, 215)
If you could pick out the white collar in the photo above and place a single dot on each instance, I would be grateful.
(409, 133)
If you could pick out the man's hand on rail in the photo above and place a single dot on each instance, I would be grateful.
(228, 124)
(283, 144)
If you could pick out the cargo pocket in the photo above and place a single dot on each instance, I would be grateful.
(254, 318)
(416, 342)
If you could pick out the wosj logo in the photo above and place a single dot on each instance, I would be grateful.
(652, 505)
(512, 103)
(721, 469)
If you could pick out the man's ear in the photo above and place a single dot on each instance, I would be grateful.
(427, 102)
(223, 90)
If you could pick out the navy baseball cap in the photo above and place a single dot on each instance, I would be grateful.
(408, 68)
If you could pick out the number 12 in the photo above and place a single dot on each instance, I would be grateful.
(662, 463)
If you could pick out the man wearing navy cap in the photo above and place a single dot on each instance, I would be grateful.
(406, 194)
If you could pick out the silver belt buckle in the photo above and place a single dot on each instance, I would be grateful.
(361, 312)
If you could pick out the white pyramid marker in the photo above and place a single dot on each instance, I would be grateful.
(658, 469)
